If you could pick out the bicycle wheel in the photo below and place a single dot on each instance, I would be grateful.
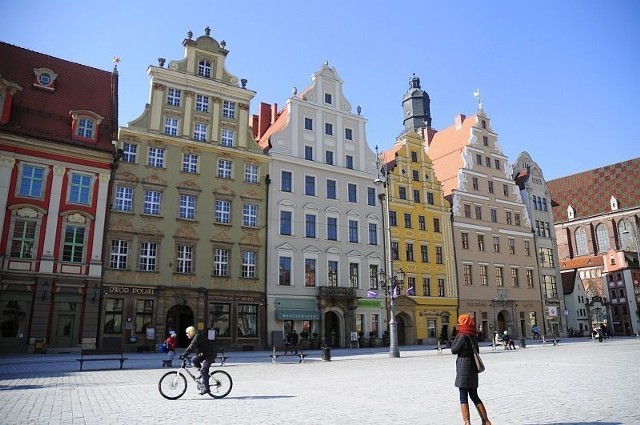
(220, 383)
(172, 385)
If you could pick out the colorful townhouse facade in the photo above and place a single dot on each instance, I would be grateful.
(325, 220)
(187, 218)
(58, 125)
(537, 198)
(420, 230)
(494, 247)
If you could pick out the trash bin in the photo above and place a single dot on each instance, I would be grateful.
(38, 347)
(326, 354)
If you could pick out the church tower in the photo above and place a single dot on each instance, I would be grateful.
(416, 106)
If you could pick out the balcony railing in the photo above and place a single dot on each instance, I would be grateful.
(337, 292)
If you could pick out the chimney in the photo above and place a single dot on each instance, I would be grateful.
(263, 118)
(459, 120)
(254, 125)
(274, 112)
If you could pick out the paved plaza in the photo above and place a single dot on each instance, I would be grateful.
(576, 382)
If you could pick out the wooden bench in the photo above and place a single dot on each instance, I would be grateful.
(101, 356)
(287, 352)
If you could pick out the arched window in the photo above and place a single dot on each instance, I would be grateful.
(603, 238)
(581, 241)
(625, 234)
(204, 68)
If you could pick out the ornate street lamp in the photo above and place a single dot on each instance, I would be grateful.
(390, 283)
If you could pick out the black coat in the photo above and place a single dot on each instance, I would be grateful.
(466, 371)
(202, 347)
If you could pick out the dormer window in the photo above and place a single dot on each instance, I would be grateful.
(204, 68)
(85, 125)
(571, 212)
(7, 90)
(614, 203)
(44, 78)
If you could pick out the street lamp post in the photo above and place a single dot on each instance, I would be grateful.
(390, 282)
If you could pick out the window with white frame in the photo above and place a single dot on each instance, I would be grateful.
(374, 280)
(204, 68)
(286, 224)
(156, 157)
(170, 126)
(173, 97)
(250, 215)
(73, 245)
(227, 136)
(23, 239)
(352, 192)
(86, 128)
(124, 199)
(499, 276)
(200, 131)
(353, 231)
(310, 271)
(251, 173)
(348, 162)
(332, 272)
(119, 254)
(331, 189)
(328, 157)
(148, 258)
(152, 202)
(348, 133)
(223, 211)
(228, 109)
(190, 163)
(286, 181)
(284, 271)
(80, 189)
(373, 234)
(220, 262)
(187, 208)
(310, 225)
(31, 181)
(224, 168)
(249, 264)
(129, 152)
(308, 123)
(310, 185)
(483, 275)
(354, 275)
(202, 103)
(184, 259)
(529, 278)
(328, 129)
(332, 228)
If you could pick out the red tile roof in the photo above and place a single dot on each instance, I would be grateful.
(589, 192)
(43, 114)
(445, 151)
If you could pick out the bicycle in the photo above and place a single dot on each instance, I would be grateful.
(173, 385)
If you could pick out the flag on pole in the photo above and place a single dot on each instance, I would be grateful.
(372, 294)
(395, 293)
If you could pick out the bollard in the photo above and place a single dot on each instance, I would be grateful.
(326, 354)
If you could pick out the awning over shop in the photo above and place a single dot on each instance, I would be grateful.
(297, 314)
(296, 309)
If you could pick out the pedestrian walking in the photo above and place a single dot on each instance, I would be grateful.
(465, 344)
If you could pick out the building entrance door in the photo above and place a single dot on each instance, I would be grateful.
(179, 318)
(332, 330)
(65, 330)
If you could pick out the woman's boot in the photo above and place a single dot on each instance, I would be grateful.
(466, 416)
(483, 414)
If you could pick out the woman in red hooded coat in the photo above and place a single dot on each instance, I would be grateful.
(465, 344)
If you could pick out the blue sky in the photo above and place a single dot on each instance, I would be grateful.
(559, 79)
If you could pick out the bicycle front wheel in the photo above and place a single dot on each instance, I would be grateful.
(220, 383)
(172, 385)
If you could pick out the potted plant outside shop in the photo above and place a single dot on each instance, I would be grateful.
(361, 340)
(372, 339)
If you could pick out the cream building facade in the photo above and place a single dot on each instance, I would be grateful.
(325, 224)
(185, 243)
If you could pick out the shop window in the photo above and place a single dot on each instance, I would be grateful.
(113, 315)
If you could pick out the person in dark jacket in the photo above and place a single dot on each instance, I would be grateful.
(205, 355)
(464, 345)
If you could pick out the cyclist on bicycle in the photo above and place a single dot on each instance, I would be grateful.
(205, 355)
